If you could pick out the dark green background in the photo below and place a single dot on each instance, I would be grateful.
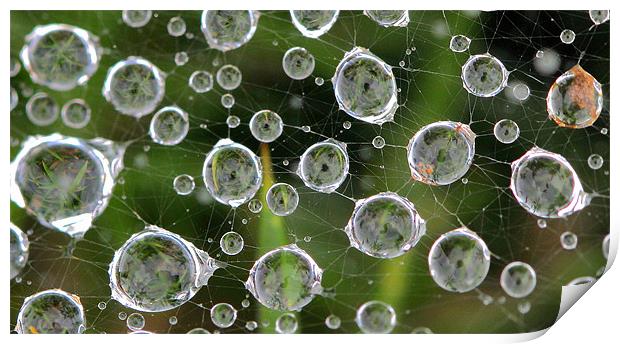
(431, 90)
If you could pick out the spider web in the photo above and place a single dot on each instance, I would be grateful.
(430, 89)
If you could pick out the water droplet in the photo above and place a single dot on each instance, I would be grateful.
(546, 185)
(181, 58)
(378, 142)
(319, 81)
(102, 305)
(518, 279)
(484, 75)
(267, 279)
(51, 311)
(226, 30)
(385, 225)
(506, 131)
(286, 323)
(441, 153)
(266, 126)
(223, 315)
(19, 250)
(255, 206)
(605, 246)
(72, 164)
(135, 322)
(172, 320)
(524, 307)
(569, 240)
(599, 16)
(595, 161)
(459, 260)
(169, 126)
(183, 184)
(333, 322)
(575, 100)
(41, 109)
(174, 271)
(251, 325)
(232, 173)
(459, 43)
(313, 23)
(228, 100)
(567, 36)
(122, 315)
(387, 18)
(282, 199)
(375, 317)
(233, 121)
(231, 243)
(521, 91)
(542, 224)
(229, 77)
(298, 63)
(324, 166)
(75, 114)
(134, 86)
(365, 87)
(201, 81)
(51, 51)
(198, 330)
(137, 18)
(176, 27)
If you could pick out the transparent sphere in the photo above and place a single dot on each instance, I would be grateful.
(575, 100)
(319, 81)
(60, 56)
(137, 18)
(156, 270)
(324, 166)
(313, 23)
(183, 184)
(459, 260)
(285, 279)
(233, 121)
(228, 77)
(286, 323)
(75, 114)
(484, 75)
(266, 126)
(251, 325)
(595, 161)
(387, 18)
(228, 100)
(547, 61)
(599, 16)
(176, 27)
(198, 330)
(228, 30)
(223, 315)
(169, 126)
(181, 58)
(546, 185)
(51, 311)
(378, 142)
(518, 279)
(298, 63)
(232, 173)
(441, 152)
(15, 66)
(506, 131)
(231, 243)
(333, 322)
(605, 246)
(375, 317)
(14, 98)
(19, 250)
(365, 87)
(41, 109)
(201, 81)
(385, 225)
(521, 91)
(459, 43)
(421, 330)
(567, 36)
(569, 240)
(282, 199)
(135, 322)
(255, 206)
(65, 182)
(134, 86)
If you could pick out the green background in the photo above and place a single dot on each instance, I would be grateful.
(431, 90)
